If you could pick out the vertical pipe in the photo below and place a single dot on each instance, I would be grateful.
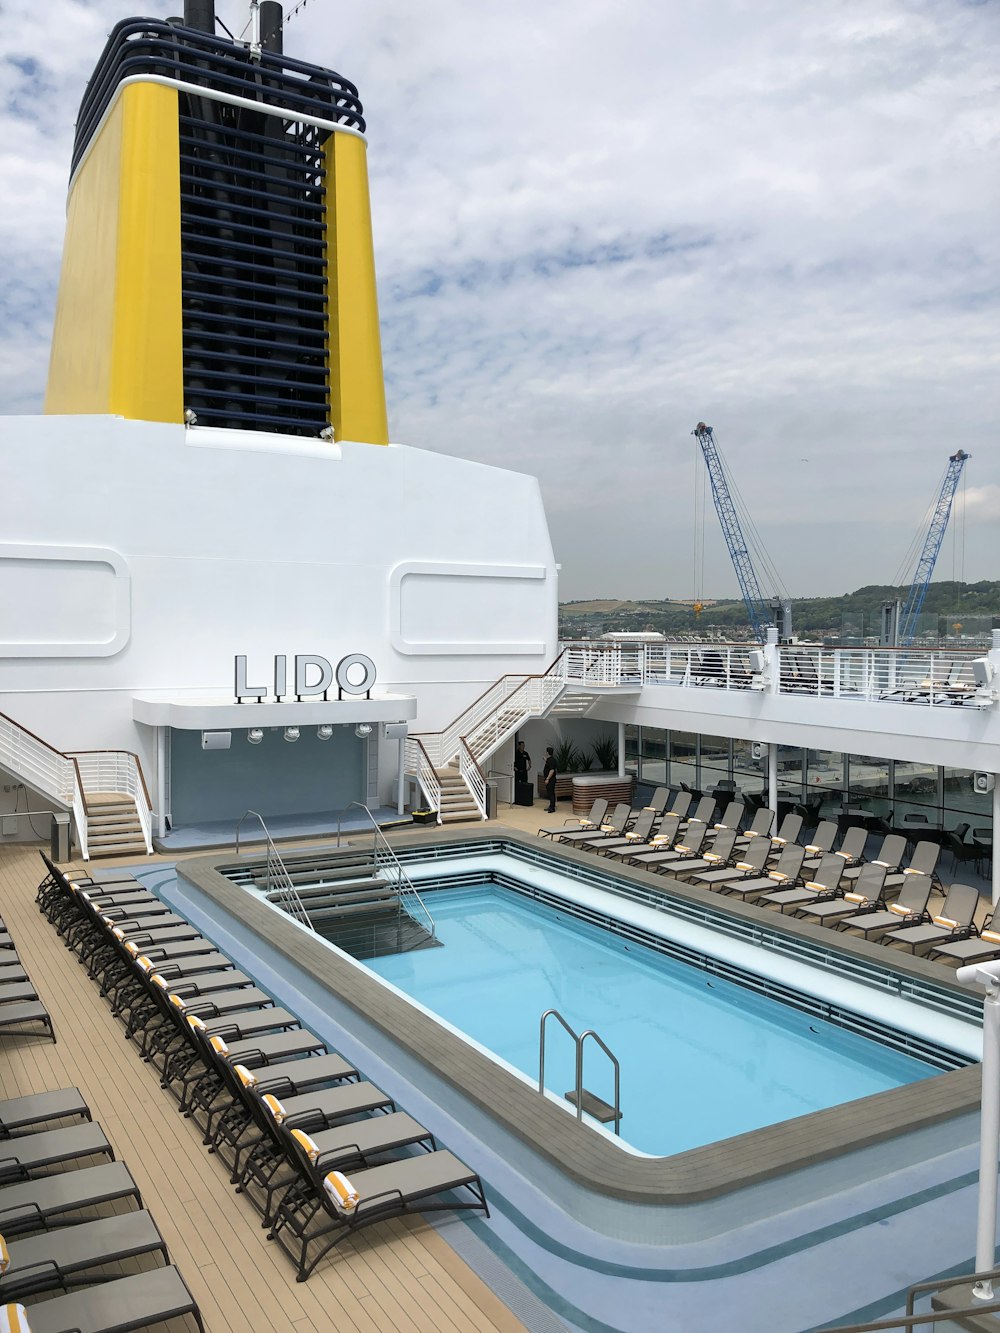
(996, 828)
(400, 777)
(161, 782)
(772, 777)
(200, 14)
(621, 750)
(270, 26)
(989, 1142)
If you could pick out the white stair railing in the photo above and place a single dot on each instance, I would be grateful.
(48, 770)
(473, 777)
(277, 879)
(387, 864)
(418, 763)
(118, 771)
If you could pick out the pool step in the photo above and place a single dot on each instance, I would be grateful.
(369, 891)
(593, 1106)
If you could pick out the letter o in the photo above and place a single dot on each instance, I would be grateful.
(343, 667)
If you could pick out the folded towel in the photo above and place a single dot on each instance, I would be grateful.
(245, 1076)
(4, 1256)
(14, 1319)
(342, 1194)
(309, 1146)
(275, 1107)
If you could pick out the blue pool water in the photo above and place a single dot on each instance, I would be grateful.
(701, 1058)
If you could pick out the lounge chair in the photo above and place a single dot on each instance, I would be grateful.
(732, 817)
(953, 922)
(923, 862)
(16, 1019)
(791, 827)
(890, 856)
(677, 812)
(909, 909)
(783, 874)
(115, 1306)
(13, 991)
(21, 1113)
(45, 1261)
(703, 813)
(611, 828)
(51, 1200)
(591, 821)
(431, 1181)
(638, 836)
(723, 850)
(824, 836)
(984, 945)
(753, 862)
(685, 849)
(24, 1156)
(760, 826)
(823, 886)
(865, 895)
(661, 841)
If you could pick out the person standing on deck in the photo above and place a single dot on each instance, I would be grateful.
(549, 778)
(522, 762)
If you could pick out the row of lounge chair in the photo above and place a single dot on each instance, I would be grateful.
(815, 882)
(50, 1187)
(21, 1011)
(317, 1149)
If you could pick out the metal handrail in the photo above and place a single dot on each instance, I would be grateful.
(911, 1320)
(275, 869)
(578, 1042)
(383, 856)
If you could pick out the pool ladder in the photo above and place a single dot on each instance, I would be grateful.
(583, 1100)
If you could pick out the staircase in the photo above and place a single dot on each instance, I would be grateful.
(456, 802)
(449, 764)
(113, 825)
(104, 790)
(361, 900)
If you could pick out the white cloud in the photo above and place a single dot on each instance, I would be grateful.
(597, 224)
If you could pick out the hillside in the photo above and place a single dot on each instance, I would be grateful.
(973, 606)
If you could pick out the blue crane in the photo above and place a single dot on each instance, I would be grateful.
(932, 546)
(759, 609)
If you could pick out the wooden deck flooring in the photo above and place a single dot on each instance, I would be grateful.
(400, 1275)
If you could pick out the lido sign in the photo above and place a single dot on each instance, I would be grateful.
(353, 674)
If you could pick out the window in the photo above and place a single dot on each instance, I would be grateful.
(653, 756)
(684, 758)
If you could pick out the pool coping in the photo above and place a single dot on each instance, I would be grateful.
(588, 1157)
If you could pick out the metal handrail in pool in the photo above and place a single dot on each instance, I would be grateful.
(275, 868)
(578, 1042)
(384, 857)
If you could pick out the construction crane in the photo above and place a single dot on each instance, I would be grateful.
(762, 612)
(910, 613)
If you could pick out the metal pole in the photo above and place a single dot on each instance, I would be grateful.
(400, 778)
(987, 975)
(772, 777)
(996, 829)
(161, 781)
(621, 755)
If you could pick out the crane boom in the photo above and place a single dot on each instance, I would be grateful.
(756, 604)
(931, 548)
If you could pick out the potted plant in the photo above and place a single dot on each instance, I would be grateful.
(604, 752)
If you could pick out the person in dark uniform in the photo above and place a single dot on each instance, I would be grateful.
(522, 762)
(549, 777)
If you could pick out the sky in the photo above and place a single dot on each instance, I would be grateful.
(598, 223)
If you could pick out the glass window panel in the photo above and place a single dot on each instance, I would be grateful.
(632, 749)
(825, 781)
(715, 772)
(749, 774)
(683, 758)
(653, 756)
(868, 783)
(915, 796)
(962, 805)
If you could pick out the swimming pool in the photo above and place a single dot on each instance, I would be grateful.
(702, 1058)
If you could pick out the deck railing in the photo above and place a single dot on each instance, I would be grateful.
(48, 770)
(118, 771)
(875, 675)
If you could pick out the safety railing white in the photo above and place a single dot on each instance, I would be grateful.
(418, 763)
(473, 776)
(48, 770)
(277, 879)
(531, 699)
(881, 675)
(387, 864)
(118, 771)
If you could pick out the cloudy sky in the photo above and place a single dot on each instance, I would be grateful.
(600, 222)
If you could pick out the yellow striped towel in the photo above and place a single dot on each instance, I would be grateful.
(342, 1194)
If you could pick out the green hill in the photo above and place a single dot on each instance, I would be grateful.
(975, 607)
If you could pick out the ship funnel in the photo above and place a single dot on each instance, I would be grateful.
(200, 14)
(271, 19)
(218, 268)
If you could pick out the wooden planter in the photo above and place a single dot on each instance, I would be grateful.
(587, 787)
